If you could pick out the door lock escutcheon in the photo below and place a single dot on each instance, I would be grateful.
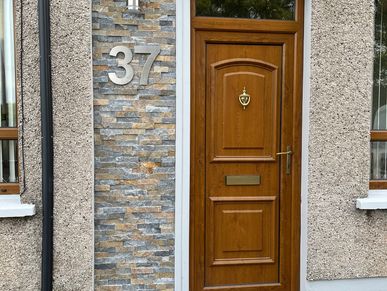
(288, 155)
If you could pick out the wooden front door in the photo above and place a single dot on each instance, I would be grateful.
(245, 153)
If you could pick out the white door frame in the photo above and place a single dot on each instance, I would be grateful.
(183, 111)
(182, 167)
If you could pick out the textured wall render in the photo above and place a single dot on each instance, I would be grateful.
(73, 144)
(134, 150)
(20, 239)
(342, 242)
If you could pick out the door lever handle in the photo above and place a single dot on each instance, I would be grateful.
(288, 154)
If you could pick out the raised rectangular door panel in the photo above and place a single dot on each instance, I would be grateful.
(243, 231)
(231, 122)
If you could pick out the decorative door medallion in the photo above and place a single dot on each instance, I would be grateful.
(245, 154)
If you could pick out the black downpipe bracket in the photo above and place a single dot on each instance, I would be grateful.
(47, 145)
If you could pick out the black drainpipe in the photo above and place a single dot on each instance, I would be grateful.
(47, 144)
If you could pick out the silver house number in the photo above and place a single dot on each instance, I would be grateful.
(124, 63)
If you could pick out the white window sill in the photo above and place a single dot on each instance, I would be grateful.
(11, 206)
(377, 199)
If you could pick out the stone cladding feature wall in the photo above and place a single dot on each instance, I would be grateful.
(134, 149)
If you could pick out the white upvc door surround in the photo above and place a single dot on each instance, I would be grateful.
(183, 109)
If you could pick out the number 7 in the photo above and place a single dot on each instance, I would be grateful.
(153, 51)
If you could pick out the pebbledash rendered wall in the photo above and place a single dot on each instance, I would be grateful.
(343, 242)
(20, 238)
(134, 149)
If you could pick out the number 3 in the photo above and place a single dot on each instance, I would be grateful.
(123, 63)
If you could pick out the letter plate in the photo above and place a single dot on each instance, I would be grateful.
(242, 180)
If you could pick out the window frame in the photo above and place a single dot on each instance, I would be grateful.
(378, 135)
(12, 133)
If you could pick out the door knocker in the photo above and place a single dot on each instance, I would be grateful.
(244, 99)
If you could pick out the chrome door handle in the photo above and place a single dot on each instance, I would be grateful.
(288, 154)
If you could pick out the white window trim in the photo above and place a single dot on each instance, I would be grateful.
(11, 206)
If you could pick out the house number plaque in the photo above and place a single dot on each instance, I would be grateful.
(124, 63)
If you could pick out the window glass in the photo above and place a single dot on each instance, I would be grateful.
(8, 122)
(256, 9)
(8, 161)
(378, 160)
(379, 104)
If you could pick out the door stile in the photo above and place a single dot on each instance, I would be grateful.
(286, 197)
(197, 166)
(297, 141)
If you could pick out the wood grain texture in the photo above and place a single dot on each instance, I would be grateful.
(9, 133)
(381, 136)
(245, 237)
(9, 188)
(378, 135)
(235, 135)
(378, 184)
(236, 238)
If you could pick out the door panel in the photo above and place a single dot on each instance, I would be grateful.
(231, 123)
(244, 228)
(242, 221)
(242, 231)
